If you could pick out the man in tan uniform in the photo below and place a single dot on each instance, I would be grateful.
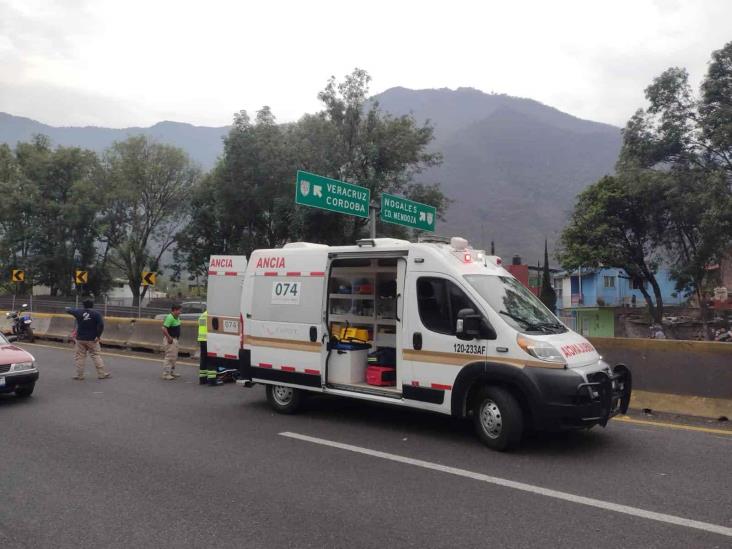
(89, 328)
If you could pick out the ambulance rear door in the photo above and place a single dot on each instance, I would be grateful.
(225, 283)
(282, 312)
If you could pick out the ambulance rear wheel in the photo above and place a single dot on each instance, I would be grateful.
(284, 400)
(498, 418)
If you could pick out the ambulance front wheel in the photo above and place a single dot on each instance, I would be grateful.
(498, 418)
(284, 400)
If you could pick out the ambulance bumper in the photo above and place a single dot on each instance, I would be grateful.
(604, 395)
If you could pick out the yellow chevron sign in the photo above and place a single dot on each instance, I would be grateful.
(18, 275)
(149, 279)
(81, 277)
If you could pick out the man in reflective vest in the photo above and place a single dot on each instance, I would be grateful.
(202, 336)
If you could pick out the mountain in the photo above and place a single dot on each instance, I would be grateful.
(204, 144)
(512, 166)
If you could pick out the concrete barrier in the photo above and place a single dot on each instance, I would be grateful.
(117, 331)
(60, 327)
(127, 333)
(675, 376)
(40, 324)
(147, 334)
(188, 342)
(5, 326)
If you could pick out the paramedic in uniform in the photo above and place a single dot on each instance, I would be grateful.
(171, 333)
(202, 336)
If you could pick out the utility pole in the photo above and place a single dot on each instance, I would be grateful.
(373, 208)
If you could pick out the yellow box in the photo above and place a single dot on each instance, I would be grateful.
(360, 334)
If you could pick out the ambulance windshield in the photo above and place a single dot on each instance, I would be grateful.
(517, 305)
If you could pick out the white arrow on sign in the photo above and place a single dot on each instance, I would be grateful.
(421, 216)
(318, 191)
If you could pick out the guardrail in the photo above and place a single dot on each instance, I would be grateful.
(126, 333)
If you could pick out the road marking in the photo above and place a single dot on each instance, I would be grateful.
(591, 502)
(625, 419)
(106, 353)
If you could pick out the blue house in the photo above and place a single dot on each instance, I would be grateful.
(586, 296)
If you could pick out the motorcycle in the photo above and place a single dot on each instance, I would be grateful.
(21, 324)
(723, 335)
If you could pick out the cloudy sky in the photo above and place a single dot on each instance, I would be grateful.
(124, 63)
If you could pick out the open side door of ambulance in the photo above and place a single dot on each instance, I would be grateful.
(363, 308)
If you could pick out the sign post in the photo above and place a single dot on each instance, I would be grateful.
(17, 276)
(148, 279)
(408, 213)
(333, 195)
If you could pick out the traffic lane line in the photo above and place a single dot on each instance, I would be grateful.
(530, 488)
(107, 353)
(680, 426)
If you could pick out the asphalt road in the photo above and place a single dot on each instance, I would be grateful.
(135, 461)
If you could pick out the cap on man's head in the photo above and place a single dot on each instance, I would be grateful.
(88, 304)
(175, 307)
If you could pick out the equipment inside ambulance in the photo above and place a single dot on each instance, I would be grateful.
(433, 325)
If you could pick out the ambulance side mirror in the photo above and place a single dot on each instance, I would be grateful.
(468, 324)
(471, 325)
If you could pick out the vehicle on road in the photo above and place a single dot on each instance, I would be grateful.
(18, 372)
(190, 310)
(21, 323)
(429, 325)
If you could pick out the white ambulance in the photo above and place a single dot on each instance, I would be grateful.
(428, 325)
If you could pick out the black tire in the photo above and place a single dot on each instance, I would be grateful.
(285, 400)
(29, 335)
(24, 391)
(498, 418)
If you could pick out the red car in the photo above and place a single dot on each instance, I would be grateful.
(18, 372)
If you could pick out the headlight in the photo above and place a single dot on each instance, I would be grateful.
(21, 366)
(540, 349)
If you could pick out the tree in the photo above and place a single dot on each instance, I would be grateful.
(20, 199)
(369, 147)
(148, 185)
(547, 295)
(65, 228)
(247, 201)
(688, 139)
(679, 130)
(51, 198)
(619, 222)
(699, 219)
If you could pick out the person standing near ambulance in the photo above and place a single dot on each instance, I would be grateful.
(203, 350)
(171, 335)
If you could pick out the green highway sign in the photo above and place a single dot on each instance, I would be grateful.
(401, 211)
(321, 192)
